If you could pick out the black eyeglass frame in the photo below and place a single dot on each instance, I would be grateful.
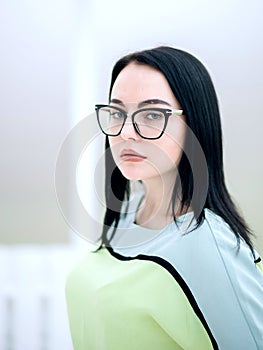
(166, 111)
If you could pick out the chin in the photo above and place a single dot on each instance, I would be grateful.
(132, 175)
(136, 173)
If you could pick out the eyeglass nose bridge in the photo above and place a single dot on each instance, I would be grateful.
(129, 118)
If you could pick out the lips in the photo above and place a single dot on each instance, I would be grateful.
(131, 155)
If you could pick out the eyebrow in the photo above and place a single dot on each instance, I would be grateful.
(154, 101)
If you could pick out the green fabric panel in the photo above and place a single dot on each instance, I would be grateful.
(260, 266)
(116, 305)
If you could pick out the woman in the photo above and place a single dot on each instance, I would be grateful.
(176, 268)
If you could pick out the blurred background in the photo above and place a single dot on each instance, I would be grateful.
(56, 58)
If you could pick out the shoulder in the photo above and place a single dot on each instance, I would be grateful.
(214, 236)
(224, 280)
(211, 251)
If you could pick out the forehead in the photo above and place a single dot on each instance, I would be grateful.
(137, 82)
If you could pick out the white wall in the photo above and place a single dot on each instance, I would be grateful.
(35, 90)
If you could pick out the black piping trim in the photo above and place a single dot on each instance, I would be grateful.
(169, 267)
(257, 260)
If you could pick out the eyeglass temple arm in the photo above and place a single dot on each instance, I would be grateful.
(177, 111)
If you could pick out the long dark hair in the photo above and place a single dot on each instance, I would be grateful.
(194, 90)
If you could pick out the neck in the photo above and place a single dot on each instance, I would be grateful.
(155, 211)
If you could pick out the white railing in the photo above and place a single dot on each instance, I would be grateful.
(33, 314)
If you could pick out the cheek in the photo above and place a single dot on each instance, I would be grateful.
(113, 142)
(167, 155)
(170, 148)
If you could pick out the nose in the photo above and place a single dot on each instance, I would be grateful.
(128, 132)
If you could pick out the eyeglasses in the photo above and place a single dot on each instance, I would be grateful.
(149, 123)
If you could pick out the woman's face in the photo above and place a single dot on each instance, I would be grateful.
(138, 158)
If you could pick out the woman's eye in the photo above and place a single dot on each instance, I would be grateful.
(154, 116)
(117, 115)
